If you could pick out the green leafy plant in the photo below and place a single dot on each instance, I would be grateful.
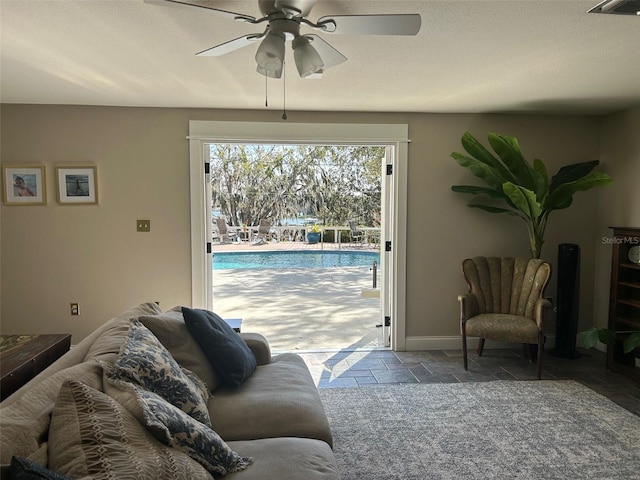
(590, 337)
(314, 229)
(526, 188)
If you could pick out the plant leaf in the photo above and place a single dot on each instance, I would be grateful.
(479, 169)
(509, 151)
(524, 199)
(561, 197)
(490, 209)
(490, 192)
(590, 337)
(631, 342)
(571, 173)
(606, 335)
(474, 148)
(542, 179)
(474, 190)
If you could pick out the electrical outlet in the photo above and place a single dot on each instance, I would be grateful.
(143, 225)
(75, 309)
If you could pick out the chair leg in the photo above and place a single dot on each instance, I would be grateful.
(480, 347)
(541, 341)
(464, 348)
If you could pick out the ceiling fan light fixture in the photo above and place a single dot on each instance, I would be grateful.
(270, 55)
(269, 73)
(315, 76)
(308, 61)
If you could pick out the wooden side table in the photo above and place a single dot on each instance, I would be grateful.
(24, 356)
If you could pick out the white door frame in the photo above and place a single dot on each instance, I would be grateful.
(396, 135)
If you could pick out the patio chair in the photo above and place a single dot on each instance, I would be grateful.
(264, 231)
(505, 302)
(225, 231)
(355, 235)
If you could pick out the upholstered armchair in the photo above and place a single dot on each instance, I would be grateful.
(505, 302)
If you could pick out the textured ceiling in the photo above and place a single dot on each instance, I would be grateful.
(470, 56)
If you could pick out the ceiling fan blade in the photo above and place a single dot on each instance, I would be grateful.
(401, 24)
(330, 56)
(230, 46)
(190, 5)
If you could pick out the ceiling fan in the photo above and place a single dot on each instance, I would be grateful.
(284, 18)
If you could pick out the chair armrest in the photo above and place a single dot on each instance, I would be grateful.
(259, 346)
(542, 312)
(468, 306)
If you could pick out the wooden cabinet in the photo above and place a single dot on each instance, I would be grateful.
(624, 302)
(26, 356)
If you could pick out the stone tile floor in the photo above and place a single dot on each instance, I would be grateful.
(361, 368)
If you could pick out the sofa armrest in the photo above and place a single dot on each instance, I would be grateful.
(259, 346)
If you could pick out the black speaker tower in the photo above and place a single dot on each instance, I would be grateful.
(567, 300)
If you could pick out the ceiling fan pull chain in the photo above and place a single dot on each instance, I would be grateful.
(266, 93)
(284, 91)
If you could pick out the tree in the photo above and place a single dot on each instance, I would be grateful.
(331, 183)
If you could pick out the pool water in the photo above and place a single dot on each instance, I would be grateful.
(293, 259)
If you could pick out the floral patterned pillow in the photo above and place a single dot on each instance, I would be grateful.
(176, 429)
(144, 362)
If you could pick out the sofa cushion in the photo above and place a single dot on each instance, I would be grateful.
(93, 435)
(314, 459)
(279, 400)
(175, 428)
(115, 331)
(227, 352)
(143, 361)
(25, 469)
(170, 329)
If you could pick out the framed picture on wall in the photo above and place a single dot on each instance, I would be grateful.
(24, 185)
(77, 185)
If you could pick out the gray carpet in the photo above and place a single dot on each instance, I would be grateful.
(494, 430)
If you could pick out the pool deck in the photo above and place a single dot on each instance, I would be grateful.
(300, 309)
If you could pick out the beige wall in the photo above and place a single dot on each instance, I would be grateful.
(53, 255)
(443, 231)
(619, 206)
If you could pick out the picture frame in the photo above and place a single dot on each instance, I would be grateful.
(24, 185)
(77, 185)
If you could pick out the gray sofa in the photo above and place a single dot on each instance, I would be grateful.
(275, 417)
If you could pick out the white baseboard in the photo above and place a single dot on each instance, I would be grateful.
(419, 343)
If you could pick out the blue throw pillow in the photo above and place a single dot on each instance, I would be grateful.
(228, 354)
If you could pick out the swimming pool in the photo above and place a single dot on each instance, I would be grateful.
(293, 259)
